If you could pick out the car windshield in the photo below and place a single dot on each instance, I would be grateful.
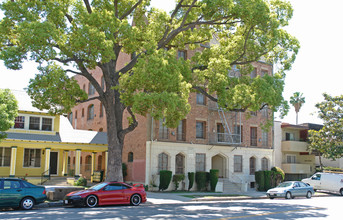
(285, 184)
(98, 186)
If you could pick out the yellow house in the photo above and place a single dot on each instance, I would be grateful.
(40, 144)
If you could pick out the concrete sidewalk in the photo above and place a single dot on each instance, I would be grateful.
(181, 197)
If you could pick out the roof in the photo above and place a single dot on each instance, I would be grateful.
(66, 133)
(25, 102)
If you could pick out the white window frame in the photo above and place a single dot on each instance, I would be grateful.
(27, 122)
(35, 156)
(292, 157)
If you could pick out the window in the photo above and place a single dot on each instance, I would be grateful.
(115, 186)
(253, 73)
(264, 163)
(220, 133)
(83, 113)
(75, 114)
(162, 162)
(200, 129)
(130, 157)
(11, 184)
(200, 99)
(253, 113)
(289, 136)
(101, 110)
(91, 89)
(99, 162)
(238, 163)
(46, 124)
(253, 136)
(84, 87)
(181, 131)
(238, 133)
(88, 162)
(252, 165)
(200, 164)
(90, 112)
(264, 111)
(265, 139)
(291, 158)
(181, 54)
(34, 123)
(32, 157)
(163, 130)
(179, 164)
(5, 156)
(264, 72)
(19, 122)
(70, 117)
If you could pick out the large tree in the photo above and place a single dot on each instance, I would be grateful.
(8, 111)
(328, 141)
(87, 34)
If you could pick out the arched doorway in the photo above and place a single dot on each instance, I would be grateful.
(219, 163)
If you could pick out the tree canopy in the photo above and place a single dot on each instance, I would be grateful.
(8, 111)
(328, 141)
(297, 100)
(80, 35)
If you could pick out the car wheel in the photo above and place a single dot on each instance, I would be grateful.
(288, 195)
(271, 197)
(309, 195)
(135, 199)
(341, 191)
(27, 203)
(91, 201)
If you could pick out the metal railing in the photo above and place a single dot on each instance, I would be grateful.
(45, 177)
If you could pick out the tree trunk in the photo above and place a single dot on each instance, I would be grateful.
(114, 114)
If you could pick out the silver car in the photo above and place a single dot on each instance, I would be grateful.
(290, 190)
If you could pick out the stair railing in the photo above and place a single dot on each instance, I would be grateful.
(45, 177)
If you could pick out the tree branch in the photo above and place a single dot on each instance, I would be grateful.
(90, 99)
(89, 9)
(132, 126)
(131, 10)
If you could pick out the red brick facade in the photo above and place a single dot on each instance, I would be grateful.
(206, 114)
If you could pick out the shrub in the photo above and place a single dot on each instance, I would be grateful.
(213, 179)
(177, 178)
(200, 179)
(191, 180)
(259, 179)
(278, 175)
(81, 182)
(267, 179)
(165, 178)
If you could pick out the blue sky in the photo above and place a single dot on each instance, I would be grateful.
(317, 25)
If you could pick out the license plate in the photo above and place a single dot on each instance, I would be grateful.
(65, 201)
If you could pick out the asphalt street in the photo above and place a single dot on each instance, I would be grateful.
(299, 208)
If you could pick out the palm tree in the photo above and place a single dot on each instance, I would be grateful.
(297, 100)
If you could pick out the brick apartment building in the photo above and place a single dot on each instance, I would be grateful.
(199, 143)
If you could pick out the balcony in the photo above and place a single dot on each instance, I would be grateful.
(296, 168)
(224, 138)
(294, 146)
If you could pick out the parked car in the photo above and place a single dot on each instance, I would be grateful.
(107, 193)
(16, 193)
(326, 181)
(291, 189)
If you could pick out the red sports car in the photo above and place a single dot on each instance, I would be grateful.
(107, 193)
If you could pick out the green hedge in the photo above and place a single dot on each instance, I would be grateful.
(213, 179)
(259, 179)
(201, 179)
(165, 178)
(191, 180)
(267, 179)
(177, 178)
